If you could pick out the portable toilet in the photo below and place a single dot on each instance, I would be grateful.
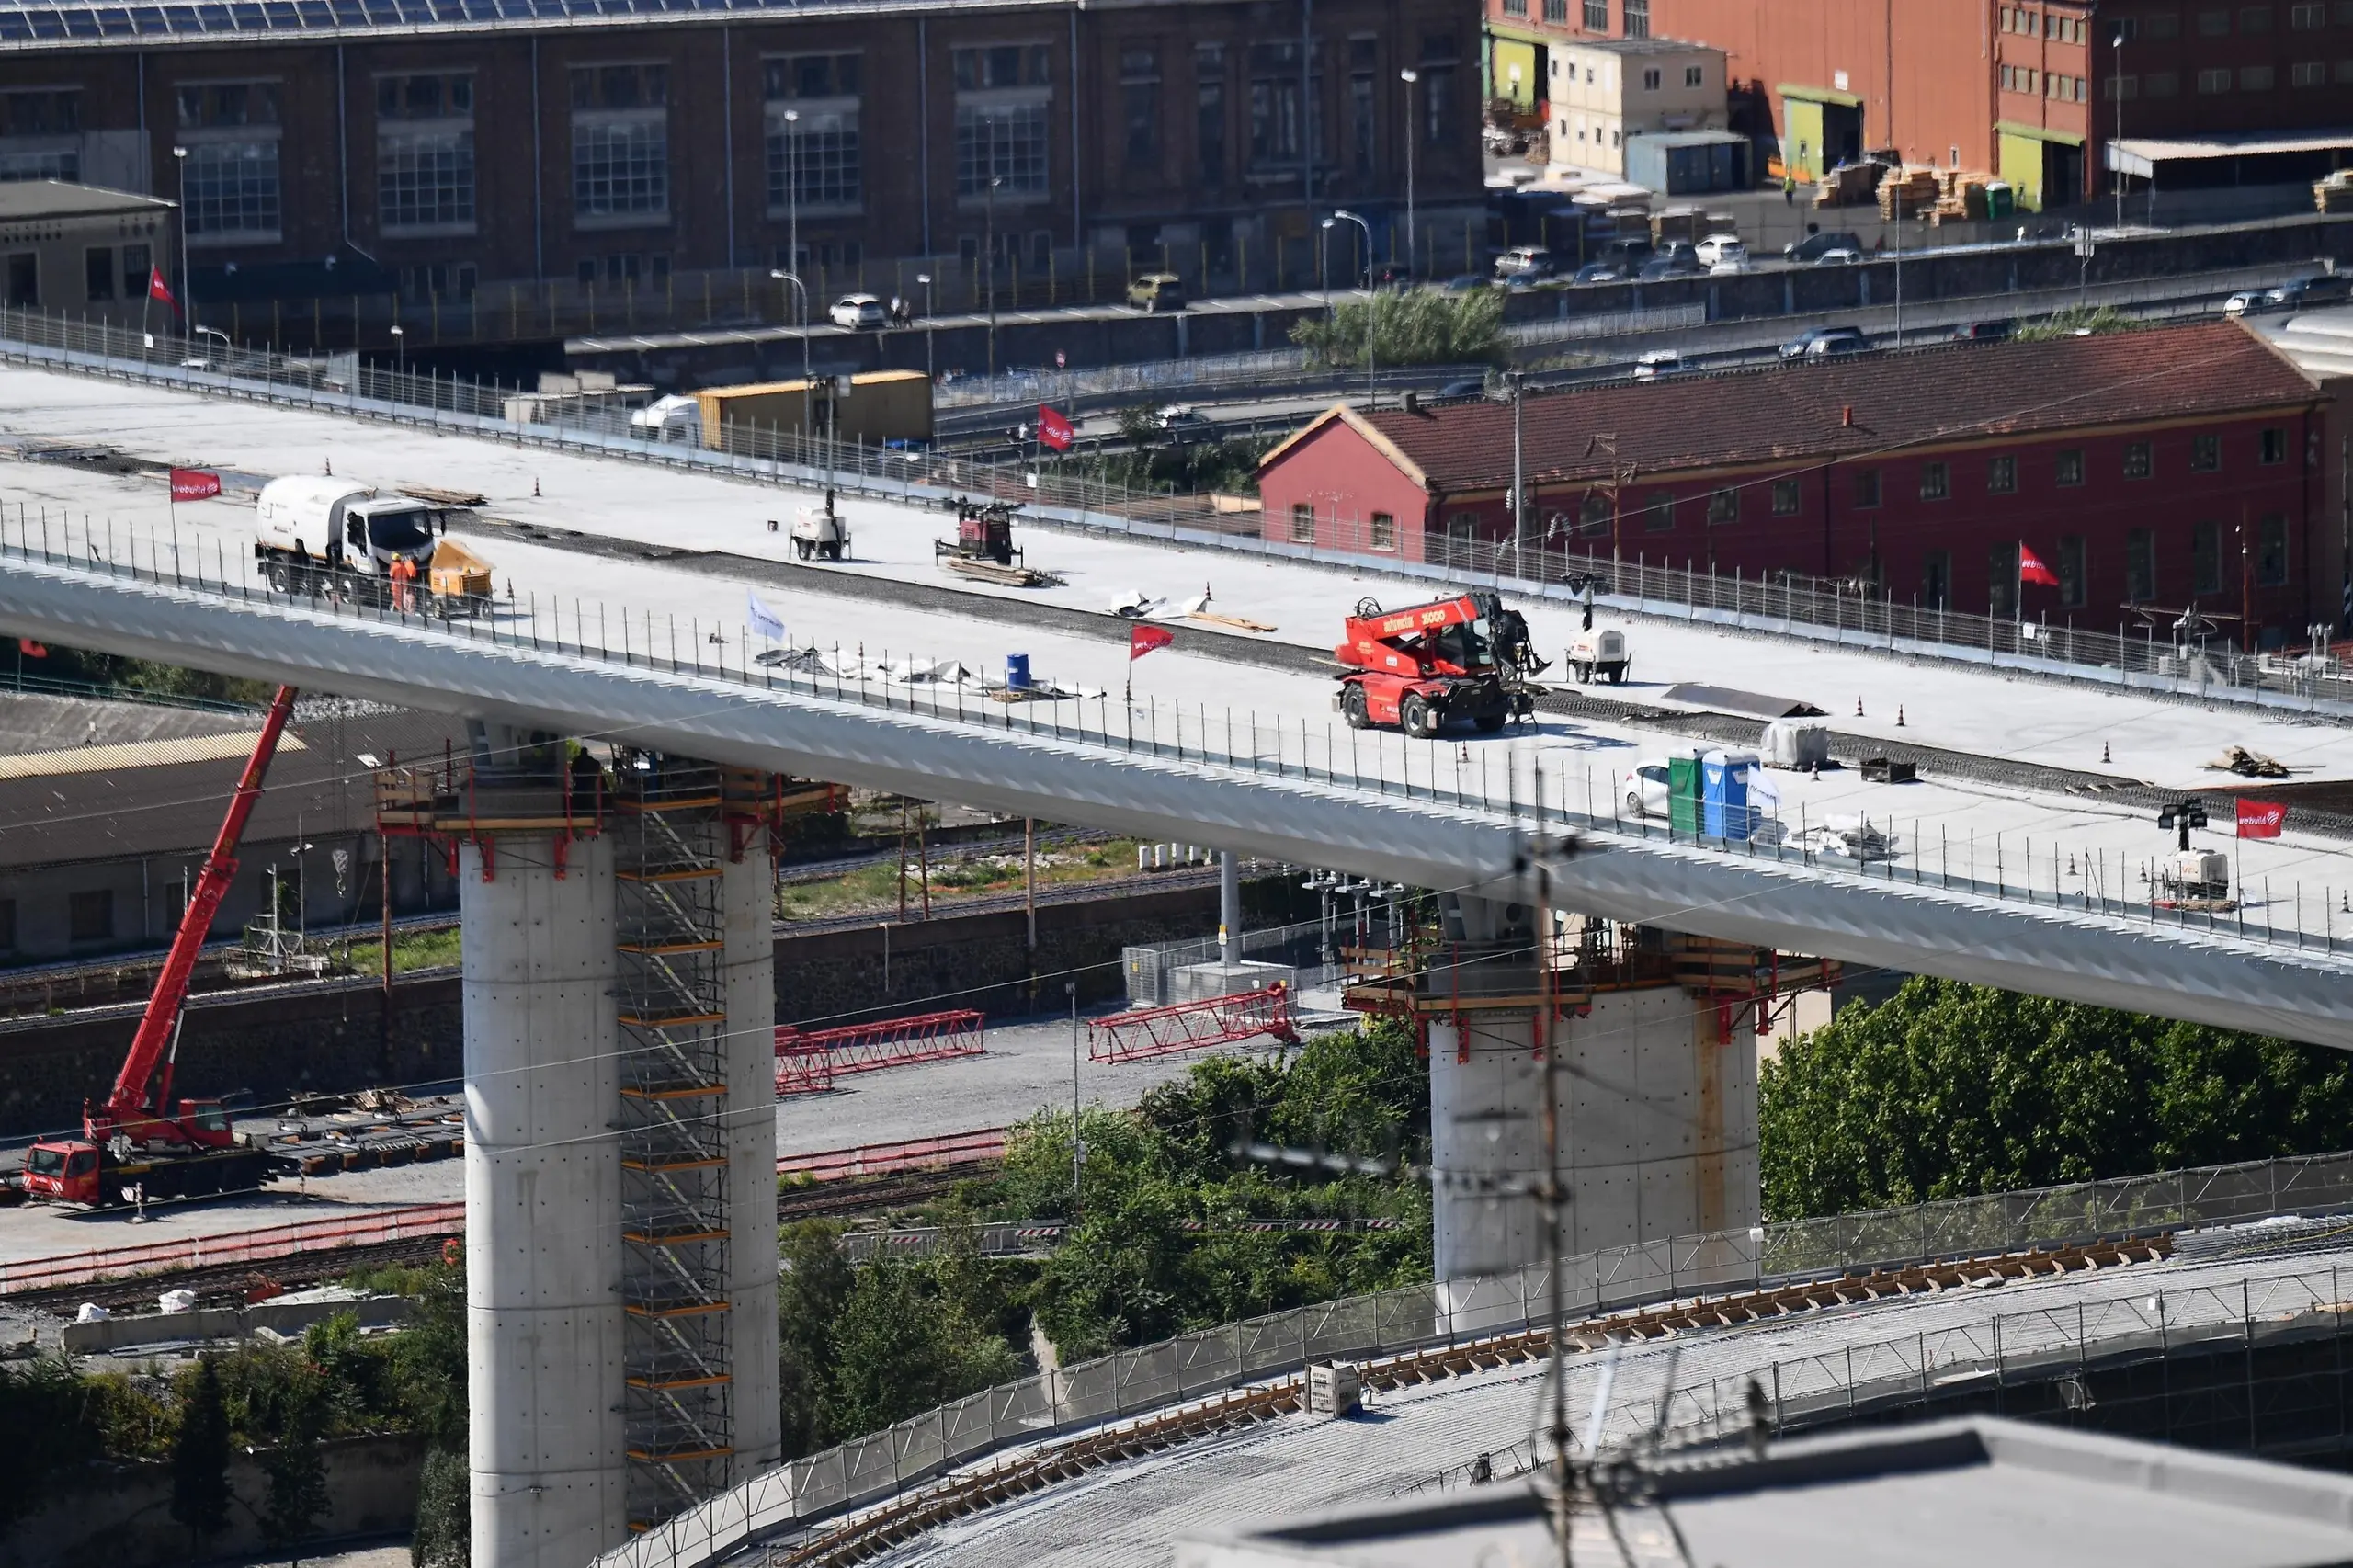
(1017, 672)
(1683, 791)
(1726, 812)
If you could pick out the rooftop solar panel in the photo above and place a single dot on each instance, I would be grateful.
(114, 20)
(150, 19)
(81, 24)
(247, 17)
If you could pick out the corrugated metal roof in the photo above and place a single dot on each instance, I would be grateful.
(139, 753)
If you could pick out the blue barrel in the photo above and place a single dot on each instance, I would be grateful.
(1016, 671)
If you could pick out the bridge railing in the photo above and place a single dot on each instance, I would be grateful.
(2066, 876)
(1210, 1360)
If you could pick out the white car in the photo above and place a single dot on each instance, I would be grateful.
(1645, 787)
(2245, 301)
(1525, 261)
(1838, 256)
(1655, 362)
(1718, 248)
(860, 313)
(1732, 267)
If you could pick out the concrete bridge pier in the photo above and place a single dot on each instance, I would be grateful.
(1657, 1090)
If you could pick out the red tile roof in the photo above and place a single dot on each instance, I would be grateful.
(1796, 413)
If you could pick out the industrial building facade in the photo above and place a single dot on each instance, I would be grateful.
(456, 143)
(2160, 468)
(2028, 89)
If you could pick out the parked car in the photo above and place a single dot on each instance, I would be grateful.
(1523, 261)
(1674, 265)
(1645, 787)
(1599, 272)
(1802, 345)
(2313, 288)
(1732, 267)
(1653, 363)
(1463, 283)
(1837, 348)
(2247, 300)
(1814, 247)
(1720, 247)
(860, 313)
(1838, 256)
(1626, 255)
(1983, 331)
(1469, 387)
(1182, 423)
(1156, 291)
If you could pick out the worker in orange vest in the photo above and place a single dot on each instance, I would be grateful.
(403, 573)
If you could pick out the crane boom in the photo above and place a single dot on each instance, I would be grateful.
(137, 1107)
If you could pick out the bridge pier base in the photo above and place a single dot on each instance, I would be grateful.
(1656, 1108)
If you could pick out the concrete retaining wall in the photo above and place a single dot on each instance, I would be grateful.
(335, 1037)
(114, 1514)
(287, 1318)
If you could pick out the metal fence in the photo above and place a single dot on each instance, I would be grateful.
(2097, 883)
(1208, 1361)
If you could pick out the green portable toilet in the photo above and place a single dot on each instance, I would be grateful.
(2000, 202)
(1685, 786)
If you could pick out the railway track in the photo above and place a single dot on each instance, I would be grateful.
(867, 1534)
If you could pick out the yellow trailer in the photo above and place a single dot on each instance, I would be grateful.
(881, 405)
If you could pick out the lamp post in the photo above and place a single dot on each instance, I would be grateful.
(400, 349)
(988, 261)
(792, 197)
(808, 382)
(2116, 146)
(929, 305)
(1409, 76)
(1372, 379)
(187, 295)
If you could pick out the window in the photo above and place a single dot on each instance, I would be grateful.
(1274, 109)
(1140, 106)
(1302, 522)
(24, 277)
(1723, 506)
(1597, 15)
(232, 188)
(1515, 8)
(2205, 454)
(138, 265)
(2071, 591)
(1866, 487)
(1785, 498)
(2308, 73)
(2344, 72)
(2256, 78)
(2305, 18)
(90, 915)
(2002, 580)
(2001, 476)
(1556, 13)
(814, 150)
(2271, 444)
(2161, 84)
(1651, 79)
(1363, 128)
(2126, 87)
(1935, 482)
(1593, 513)
(1659, 512)
(2206, 558)
(2140, 566)
(1695, 75)
(214, 105)
(424, 153)
(41, 134)
(2271, 551)
(1384, 534)
(1004, 142)
(2213, 24)
(998, 65)
(2161, 25)
(1439, 56)
(2214, 81)
(1936, 579)
(2138, 463)
(621, 143)
(1209, 111)
(1638, 17)
(2069, 469)
(2255, 20)
(98, 273)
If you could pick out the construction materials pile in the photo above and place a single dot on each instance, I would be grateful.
(2334, 193)
(1963, 196)
(1848, 185)
(1909, 192)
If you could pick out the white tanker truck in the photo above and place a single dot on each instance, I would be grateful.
(330, 536)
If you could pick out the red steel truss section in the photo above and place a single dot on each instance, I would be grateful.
(807, 1061)
(1192, 1026)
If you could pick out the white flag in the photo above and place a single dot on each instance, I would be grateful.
(763, 619)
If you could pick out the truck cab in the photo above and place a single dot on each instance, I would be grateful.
(304, 517)
(63, 1170)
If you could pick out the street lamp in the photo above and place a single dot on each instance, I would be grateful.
(187, 295)
(2116, 147)
(808, 382)
(929, 306)
(988, 263)
(399, 348)
(1409, 76)
(1371, 296)
(792, 193)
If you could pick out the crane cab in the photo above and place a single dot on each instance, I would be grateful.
(63, 1170)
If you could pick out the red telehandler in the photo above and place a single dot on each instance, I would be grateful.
(140, 1139)
(1466, 657)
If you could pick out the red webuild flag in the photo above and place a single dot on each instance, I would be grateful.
(2262, 819)
(1142, 640)
(2032, 570)
(159, 290)
(1053, 430)
(194, 483)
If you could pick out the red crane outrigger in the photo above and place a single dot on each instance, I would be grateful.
(138, 1137)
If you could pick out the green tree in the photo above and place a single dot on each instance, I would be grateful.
(2075, 320)
(444, 1533)
(1947, 1090)
(812, 1292)
(1410, 326)
(200, 1492)
(898, 1350)
(298, 1478)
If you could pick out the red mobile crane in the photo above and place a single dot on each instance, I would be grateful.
(1466, 657)
(138, 1138)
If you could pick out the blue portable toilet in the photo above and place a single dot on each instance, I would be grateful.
(1724, 794)
(1017, 672)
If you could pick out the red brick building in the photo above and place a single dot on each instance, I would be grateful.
(2030, 89)
(2155, 467)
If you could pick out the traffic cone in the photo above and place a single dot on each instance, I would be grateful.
(2103, 752)
(535, 487)
(1858, 707)
(1899, 715)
